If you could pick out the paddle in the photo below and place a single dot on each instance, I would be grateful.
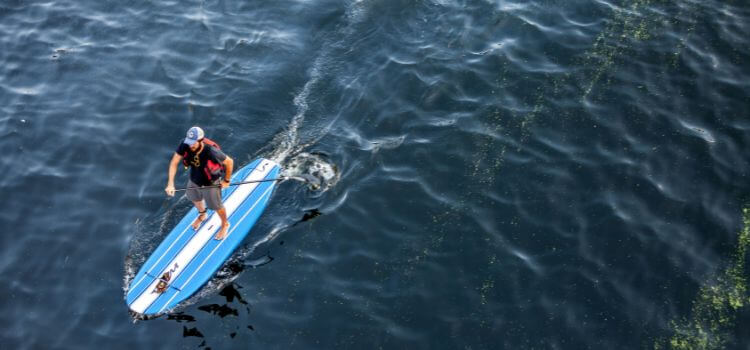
(303, 178)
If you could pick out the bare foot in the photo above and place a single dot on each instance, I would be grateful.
(197, 223)
(222, 232)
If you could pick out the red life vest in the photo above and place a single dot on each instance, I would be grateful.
(212, 169)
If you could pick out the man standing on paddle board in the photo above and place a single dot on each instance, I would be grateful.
(210, 171)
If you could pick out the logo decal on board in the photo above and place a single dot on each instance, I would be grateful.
(262, 166)
(161, 287)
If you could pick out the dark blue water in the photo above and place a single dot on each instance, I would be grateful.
(498, 174)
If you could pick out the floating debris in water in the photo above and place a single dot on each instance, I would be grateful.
(704, 134)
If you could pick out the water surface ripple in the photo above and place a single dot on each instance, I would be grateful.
(498, 174)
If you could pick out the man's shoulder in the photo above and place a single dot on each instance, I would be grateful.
(182, 148)
(217, 152)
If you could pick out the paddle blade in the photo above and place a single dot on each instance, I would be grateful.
(312, 180)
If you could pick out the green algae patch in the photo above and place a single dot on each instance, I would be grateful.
(716, 306)
(627, 25)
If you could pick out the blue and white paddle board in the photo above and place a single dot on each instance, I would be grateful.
(187, 258)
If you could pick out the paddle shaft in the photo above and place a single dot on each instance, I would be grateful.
(237, 183)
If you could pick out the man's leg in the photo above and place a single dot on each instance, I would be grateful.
(195, 196)
(224, 224)
(201, 206)
(213, 201)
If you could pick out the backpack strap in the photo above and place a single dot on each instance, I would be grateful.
(206, 141)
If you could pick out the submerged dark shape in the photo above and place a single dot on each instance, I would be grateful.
(309, 214)
(219, 310)
(181, 317)
(313, 213)
(192, 332)
(58, 53)
(230, 292)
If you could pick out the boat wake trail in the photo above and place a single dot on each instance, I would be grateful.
(288, 147)
(289, 151)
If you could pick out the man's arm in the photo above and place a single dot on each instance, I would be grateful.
(176, 159)
(228, 168)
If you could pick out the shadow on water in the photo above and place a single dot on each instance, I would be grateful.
(180, 317)
(235, 306)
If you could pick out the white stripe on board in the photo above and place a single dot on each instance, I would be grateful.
(203, 236)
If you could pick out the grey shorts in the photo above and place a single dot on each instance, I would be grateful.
(212, 195)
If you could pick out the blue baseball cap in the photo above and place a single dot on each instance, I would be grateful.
(194, 135)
